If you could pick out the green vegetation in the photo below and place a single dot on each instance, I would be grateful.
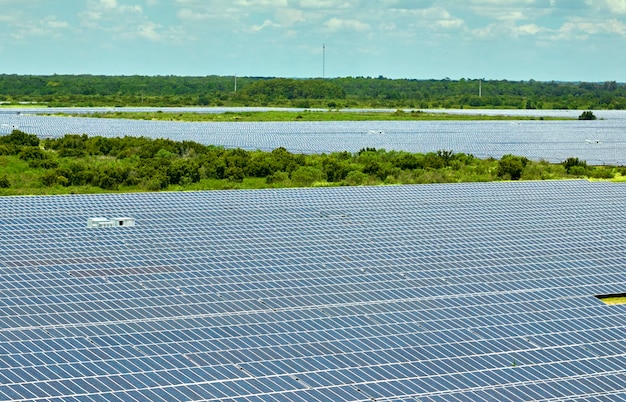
(587, 115)
(613, 298)
(306, 115)
(82, 164)
(335, 93)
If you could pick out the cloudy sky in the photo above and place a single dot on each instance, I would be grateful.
(570, 40)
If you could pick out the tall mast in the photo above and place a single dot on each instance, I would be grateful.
(323, 60)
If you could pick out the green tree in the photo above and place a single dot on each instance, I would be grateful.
(18, 137)
(575, 166)
(306, 176)
(511, 167)
(587, 115)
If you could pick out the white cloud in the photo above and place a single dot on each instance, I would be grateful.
(126, 21)
(617, 6)
(337, 24)
(512, 10)
(110, 4)
(529, 29)
(149, 30)
(435, 18)
(329, 4)
(580, 29)
(98, 12)
(187, 14)
(260, 3)
(266, 24)
(46, 27)
(289, 16)
(508, 30)
(451, 23)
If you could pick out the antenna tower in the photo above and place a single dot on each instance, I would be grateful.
(323, 60)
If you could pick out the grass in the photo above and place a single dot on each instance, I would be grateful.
(307, 115)
(619, 178)
(613, 299)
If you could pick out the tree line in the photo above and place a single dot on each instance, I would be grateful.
(86, 164)
(345, 92)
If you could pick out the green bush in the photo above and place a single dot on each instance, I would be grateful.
(306, 176)
(50, 178)
(43, 163)
(277, 178)
(356, 178)
(32, 153)
(587, 115)
(234, 174)
(575, 166)
(511, 167)
(155, 183)
(72, 153)
(601, 172)
(6, 149)
(18, 137)
(4, 182)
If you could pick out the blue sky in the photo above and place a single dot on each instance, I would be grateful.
(569, 40)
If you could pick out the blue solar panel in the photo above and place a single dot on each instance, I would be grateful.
(409, 293)
(597, 142)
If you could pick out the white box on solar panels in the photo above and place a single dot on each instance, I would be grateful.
(109, 223)
(124, 221)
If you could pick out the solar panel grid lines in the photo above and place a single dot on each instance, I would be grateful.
(548, 140)
(287, 317)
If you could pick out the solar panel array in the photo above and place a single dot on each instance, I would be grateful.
(597, 142)
(467, 292)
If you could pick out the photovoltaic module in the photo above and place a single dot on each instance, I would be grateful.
(452, 292)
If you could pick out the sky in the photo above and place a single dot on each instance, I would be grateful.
(544, 40)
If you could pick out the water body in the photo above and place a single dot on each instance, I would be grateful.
(598, 142)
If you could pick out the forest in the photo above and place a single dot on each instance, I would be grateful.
(333, 93)
(82, 164)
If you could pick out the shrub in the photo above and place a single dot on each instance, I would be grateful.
(601, 172)
(511, 167)
(8, 149)
(575, 166)
(183, 171)
(234, 174)
(4, 182)
(43, 163)
(30, 153)
(50, 178)
(157, 182)
(72, 153)
(306, 175)
(18, 137)
(278, 177)
(587, 115)
(356, 178)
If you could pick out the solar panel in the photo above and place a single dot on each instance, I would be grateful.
(553, 141)
(404, 293)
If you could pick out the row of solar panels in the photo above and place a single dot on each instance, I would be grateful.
(404, 293)
(549, 140)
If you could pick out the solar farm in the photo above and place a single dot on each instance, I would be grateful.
(599, 142)
(451, 292)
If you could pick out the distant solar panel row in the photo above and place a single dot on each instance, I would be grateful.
(461, 292)
(598, 142)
